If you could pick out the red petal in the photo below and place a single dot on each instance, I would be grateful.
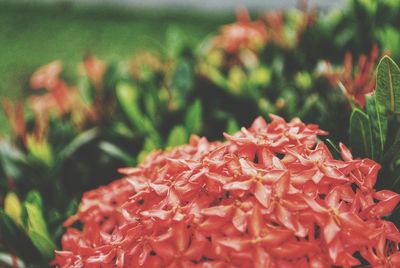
(282, 186)
(331, 229)
(240, 220)
(235, 243)
(238, 185)
(345, 152)
(219, 211)
(384, 207)
(256, 222)
(262, 194)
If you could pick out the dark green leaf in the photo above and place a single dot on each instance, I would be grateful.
(193, 120)
(82, 139)
(335, 151)
(360, 134)
(378, 121)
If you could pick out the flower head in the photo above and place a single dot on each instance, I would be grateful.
(270, 196)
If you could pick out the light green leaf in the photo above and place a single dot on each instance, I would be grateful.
(12, 206)
(36, 227)
(232, 126)
(40, 149)
(177, 136)
(116, 152)
(193, 120)
(34, 198)
(360, 134)
(127, 96)
(388, 86)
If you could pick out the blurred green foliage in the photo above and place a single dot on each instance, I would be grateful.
(74, 133)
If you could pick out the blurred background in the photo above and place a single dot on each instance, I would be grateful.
(34, 32)
(89, 86)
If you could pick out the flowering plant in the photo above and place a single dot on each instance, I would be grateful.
(271, 196)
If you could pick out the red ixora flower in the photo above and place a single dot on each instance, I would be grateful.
(242, 34)
(356, 82)
(270, 196)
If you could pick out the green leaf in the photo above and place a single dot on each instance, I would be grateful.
(9, 229)
(333, 148)
(232, 126)
(34, 198)
(182, 83)
(12, 206)
(36, 228)
(40, 150)
(43, 243)
(193, 120)
(177, 136)
(360, 134)
(394, 149)
(379, 124)
(15, 239)
(82, 139)
(10, 158)
(388, 86)
(116, 152)
(127, 96)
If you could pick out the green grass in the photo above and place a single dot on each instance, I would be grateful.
(33, 36)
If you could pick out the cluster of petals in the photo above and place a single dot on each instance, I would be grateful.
(356, 85)
(242, 34)
(270, 196)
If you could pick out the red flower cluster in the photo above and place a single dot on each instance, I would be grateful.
(242, 34)
(271, 196)
(356, 85)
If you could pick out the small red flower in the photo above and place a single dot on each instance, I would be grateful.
(242, 34)
(356, 82)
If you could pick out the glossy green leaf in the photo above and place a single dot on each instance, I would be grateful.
(193, 120)
(378, 119)
(361, 135)
(388, 86)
